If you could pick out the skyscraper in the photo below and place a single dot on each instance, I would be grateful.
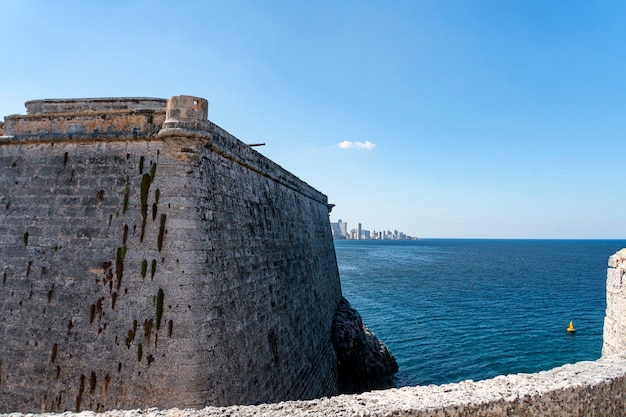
(339, 230)
(343, 227)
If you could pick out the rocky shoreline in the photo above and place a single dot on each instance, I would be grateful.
(364, 362)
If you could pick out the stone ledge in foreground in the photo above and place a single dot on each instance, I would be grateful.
(584, 388)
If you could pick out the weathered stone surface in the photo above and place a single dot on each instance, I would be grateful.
(364, 363)
(99, 105)
(618, 260)
(615, 320)
(579, 390)
(129, 122)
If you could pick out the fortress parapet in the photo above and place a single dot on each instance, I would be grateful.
(187, 112)
(109, 115)
(88, 118)
(102, 117)
(82, 105)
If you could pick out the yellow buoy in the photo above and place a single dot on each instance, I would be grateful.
(571, 328)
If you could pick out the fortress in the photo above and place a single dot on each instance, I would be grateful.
(150, 260)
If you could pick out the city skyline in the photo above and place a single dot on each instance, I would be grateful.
(340, 230)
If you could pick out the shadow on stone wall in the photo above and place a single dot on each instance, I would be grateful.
(364, 363)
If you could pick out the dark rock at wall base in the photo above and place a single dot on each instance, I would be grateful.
(364, 363)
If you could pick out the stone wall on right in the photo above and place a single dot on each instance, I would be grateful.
(615, 319)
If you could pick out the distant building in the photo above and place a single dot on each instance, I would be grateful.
(339, 230)
(343, 227)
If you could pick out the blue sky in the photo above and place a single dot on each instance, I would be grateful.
(497, 119)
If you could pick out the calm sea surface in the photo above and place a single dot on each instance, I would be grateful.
(451, 309)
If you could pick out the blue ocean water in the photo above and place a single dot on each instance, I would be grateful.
(457, 309)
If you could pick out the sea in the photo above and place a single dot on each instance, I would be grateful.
(471, 309)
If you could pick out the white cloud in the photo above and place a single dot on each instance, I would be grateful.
(346, 144)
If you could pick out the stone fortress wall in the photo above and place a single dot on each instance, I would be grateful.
(152, 312)
(150, 259)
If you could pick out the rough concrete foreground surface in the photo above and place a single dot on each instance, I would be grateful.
(150, 259)
(583, 390)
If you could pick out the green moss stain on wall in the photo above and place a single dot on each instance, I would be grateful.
(157, 193)
(152, 269)
(126, 193)
(146, 180)
(119, 265)
(161, 232)
(159, 308)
